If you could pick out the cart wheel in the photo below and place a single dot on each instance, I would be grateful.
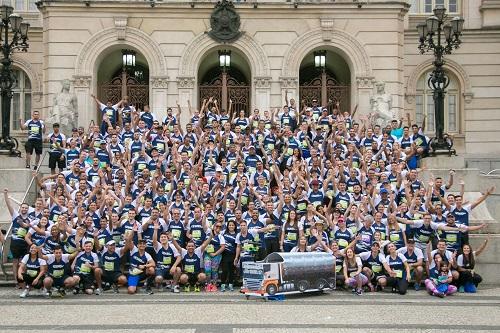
(271, 289)
(303, 286)
(321, 284)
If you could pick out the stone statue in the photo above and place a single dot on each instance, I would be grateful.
(65, 109)
(381, 104)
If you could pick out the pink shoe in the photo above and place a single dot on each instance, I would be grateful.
(214, 288)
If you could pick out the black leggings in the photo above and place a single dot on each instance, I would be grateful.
(467, 276)
(400, 284)
(272, 245)
(227, 266)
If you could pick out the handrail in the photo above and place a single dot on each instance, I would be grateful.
(3, 246)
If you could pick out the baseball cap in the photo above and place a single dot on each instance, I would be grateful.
(314, 182)
(111, 242)
(383, 190)
(218, 169)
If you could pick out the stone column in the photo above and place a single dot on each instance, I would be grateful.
(187, 92)
(262, 94)
(158, 97)
(86, 106)
(365, 90)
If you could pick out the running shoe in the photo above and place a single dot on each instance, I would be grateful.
(187, 288)
(115, 289)
(461, 289)
(76, 291)
(197, 288)
(223, 287)
(98, 291)
(149, 291)
(208, 287)
(25, 293)
(359, 292)
(417, 286)
(231, 288)
(175, 289)
(439, 294)
(213, 288)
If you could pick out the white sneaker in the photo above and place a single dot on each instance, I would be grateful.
(176, 289)
(25, 293)
(98, 291)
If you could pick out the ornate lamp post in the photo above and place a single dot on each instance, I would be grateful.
(320, 63)
(224, 63)
(128, 62)
(11, 25)
(439, 35)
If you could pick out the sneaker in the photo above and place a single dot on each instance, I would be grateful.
(187, 288)
(25, 293)
(115, 289)
(35, 168)
(417, 286)
(47, 293)
(359, 292)
(149, 291)
(208, 287)
(439, 294)
(197, 288)
(223, 287)
(353, 290)
(175, 289)
(461, 289)
(231, 288)
(76, 291)
(98, 291)
(28, 166)
(213, 288)
(106, 286)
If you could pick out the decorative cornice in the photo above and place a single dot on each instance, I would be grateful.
(81, 81)
(365, 82)
(289, 82)
(159, 81)
(186, 82)
(262, 82)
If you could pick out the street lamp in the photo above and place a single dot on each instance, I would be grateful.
(224, 59)
(12, 26)
(320, 63)
(224, 63)
(439, 36)
(128, 63)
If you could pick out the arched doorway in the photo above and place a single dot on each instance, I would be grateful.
(224, 83)
(114, 80)
(325, 81)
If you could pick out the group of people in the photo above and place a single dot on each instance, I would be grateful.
(141, 201)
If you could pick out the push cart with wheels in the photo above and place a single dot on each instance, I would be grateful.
(283, 273)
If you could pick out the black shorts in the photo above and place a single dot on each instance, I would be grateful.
(33, 144)
(29, 281)
(192, 277)
(164, 273)
(110, 277)
(86, 280)
(55, 160)
(18, 249)
(58, 282)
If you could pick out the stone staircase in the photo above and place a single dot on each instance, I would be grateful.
(488, 264)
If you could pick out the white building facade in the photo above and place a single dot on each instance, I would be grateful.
(364, 41)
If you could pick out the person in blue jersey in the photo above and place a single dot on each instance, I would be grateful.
(192, 264)
(32, 269)
(141, 267)
(374, 267)
(247, 242)
(36, 130)
(415, 259)
(441, 278)
(462, 212)
(57, 142)
(58, 271)
(290, 232)
(168, 259)
(20, 226)
(111, 257)
(227, 263)
(109, 113)
(87, 271)
(398, 270)
(469, 279)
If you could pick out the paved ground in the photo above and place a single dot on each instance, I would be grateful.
(231, 312)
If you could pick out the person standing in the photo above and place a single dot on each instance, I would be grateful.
(36, 129)
(57, 142)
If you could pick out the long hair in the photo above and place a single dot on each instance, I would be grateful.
(470, 260)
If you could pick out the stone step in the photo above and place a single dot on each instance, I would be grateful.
(16, 180)
(439, 162)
